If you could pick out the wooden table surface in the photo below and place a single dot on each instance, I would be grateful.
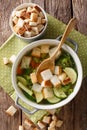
(73, 114)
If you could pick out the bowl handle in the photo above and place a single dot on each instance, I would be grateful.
(71, 41)
(23, 108)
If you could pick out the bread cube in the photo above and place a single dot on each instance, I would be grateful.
(6, 61)
(39, 21)
(25, 15)
(33, 24)
(55, 81)
(20, 12)
(35, 29)
(11, 110)
(46, 74)
(57, 70)
(53, 123)
(45, 49)
(51, 128)
(40, 27)
(52, 50)
(19, 30)
(12, 59)
(41, 124)
(54, 117)
(59, 123)
(33, 77)
(37, 87)
(21, 127)
(36, 52)
(47, 92)
(27, 26)
(62, 77)
(34, 10)
(20, 23)
(27, 20)
(46, 83)
(34, 17)
(41, 15)
(27, 124)
(66, 81)
(27, 34)
(29, 9)
(37, 8)
(46, 119)
(35, 128)
(15, 19)
(25, 62)
(43, 21)
(52, 111)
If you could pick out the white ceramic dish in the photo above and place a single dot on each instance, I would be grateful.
(43, 106)
(30, 39)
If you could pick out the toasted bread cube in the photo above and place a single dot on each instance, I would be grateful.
(51, 128)
(21, 127)
(25, 62)
(20, 22)
(54, 117)
(47, 92)
(35, 128)
(33, 24)
(19, 13)
(46, 74)
(59, 123)
(25, 15)
(6, 61)
(46, 83)
(19, 30)
(36, 52)
(45, 49)
(34, 17)
(43, 21)
(37, 87)
(15, 19)
(40, 27)
(66, 81)
(62, 77)
(27, 26)
(29, 9)
(52, 50)
(57, 70)
(41, 15)
(37, 8)
(33, 77)
(27, 34)
(34, 10)
(52, 111)
(11, 110)
(46, 119)
(39, 21)
(41, 124)
(13, 14)
(12, 59)
(55, 81)
(27, 20)
(53, 123)
(35, 29)
(27, 124)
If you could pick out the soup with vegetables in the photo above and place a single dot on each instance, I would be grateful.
(56, 85)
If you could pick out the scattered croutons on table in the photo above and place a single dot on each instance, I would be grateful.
(11, 110)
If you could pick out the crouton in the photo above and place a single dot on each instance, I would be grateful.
(62, 77)
(54, 117)
(55, 81)
(52, 50)
(21, 127)
(39, 21)
(29, 9)
(19, 30)
(11, 110)
(34, 10)
(12, 59)
(47, 92)
(25, 15)
(33, 77)
(46, 119)
(46, 74)
(34, 17)
(57, 70)
(37, 87)
(36, 52)
(15, 19)
(53, 123)
(59, 123)
(40, 27)
(45, 49)
(20, 23)
(43, 21)
(19, 13)
(27, 20)
(37, 8)
(41, 124)
(25, 62)
(35, 29)
(6, 60)
(35, 128)
(52, 111)
(27, 34)
(27, 124)
(33, 24)
(27, 26)
(41, 14)
(46, 83)
(66, 81)
(51, 128)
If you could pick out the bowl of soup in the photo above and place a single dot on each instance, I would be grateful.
(58, 87)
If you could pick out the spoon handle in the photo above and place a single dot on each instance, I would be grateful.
(68, 29)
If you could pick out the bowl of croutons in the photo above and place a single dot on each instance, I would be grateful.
(28, 21)
(58, 87)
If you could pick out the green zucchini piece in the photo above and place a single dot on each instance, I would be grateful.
(53, 99)
(25, 88)
(39, 96)
(59, 93)
(22, 80)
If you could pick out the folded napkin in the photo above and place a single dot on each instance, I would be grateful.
(13, 45)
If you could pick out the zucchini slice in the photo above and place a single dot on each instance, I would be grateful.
(53, 100)
(22, 80)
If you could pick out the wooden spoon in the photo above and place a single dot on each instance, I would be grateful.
(49, 63)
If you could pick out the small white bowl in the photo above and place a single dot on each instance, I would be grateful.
(30, 39)
(76, 86)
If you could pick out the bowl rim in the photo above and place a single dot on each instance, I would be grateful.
(76, 87)
(20, 7)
